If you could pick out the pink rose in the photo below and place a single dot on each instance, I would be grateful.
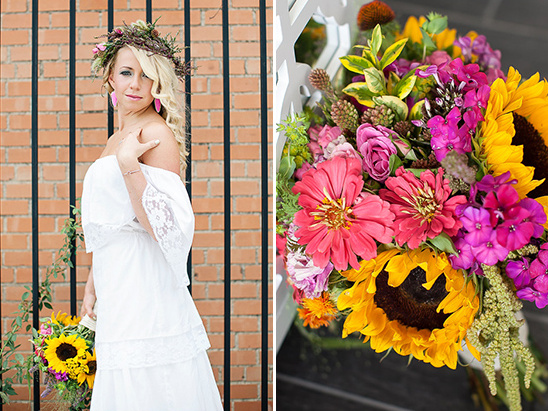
(376, 147)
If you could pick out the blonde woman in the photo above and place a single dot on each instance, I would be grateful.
(138, 222)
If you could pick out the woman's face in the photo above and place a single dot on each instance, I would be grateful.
(130, 83)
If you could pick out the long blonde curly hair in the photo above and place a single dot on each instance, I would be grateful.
(165, 86)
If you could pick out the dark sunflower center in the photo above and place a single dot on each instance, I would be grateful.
(411, 304)
(66, 351)
(535, 152)
(92, 366)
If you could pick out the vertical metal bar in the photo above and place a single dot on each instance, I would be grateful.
(264, 207)
(110, 28)
(227, 213)
(72, 145)
(149, 11)
(34, 195)
(188, 121)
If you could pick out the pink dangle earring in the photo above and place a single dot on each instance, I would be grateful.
(114, 99)
(157, 105)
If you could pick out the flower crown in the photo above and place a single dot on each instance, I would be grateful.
(143, 36)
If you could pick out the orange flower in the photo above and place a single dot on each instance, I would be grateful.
(317, 312)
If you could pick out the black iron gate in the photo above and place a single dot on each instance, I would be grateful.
(227, 195)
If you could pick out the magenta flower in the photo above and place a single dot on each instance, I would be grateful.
(529, 294)
(477, 222)
(464, 258)
(539, 266)
(45, 329)
(518, 271)
(376, 147)
(490, 252)
(332, 225)
(313, 145)
(422, 206)
(537, 216)
(515, 232)
(303, 169)
(490, 183)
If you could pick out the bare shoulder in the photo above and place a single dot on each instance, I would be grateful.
(166, 154)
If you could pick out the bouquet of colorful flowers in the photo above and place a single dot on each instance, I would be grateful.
(63, 351)
(414, 206)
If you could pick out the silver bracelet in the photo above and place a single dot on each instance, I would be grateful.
(131, 172)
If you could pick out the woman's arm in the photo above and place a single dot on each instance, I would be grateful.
(131, 149)
(89, 297)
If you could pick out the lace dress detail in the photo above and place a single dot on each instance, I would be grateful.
(152, 351)
(166, 230)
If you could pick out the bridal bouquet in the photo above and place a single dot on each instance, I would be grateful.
(414, 207)
(63, 351)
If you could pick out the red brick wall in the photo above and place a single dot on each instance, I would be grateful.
(91, 133)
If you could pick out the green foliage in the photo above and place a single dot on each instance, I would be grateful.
(295, 129)
(11, 360)
(376, 89)
(286, 204)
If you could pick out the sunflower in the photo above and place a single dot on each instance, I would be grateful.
(515, 134)
(317, 312)
(89, 365)
(62, 348)
(413, 302)
(64, 319)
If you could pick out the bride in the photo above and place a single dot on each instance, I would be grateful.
(138, 222)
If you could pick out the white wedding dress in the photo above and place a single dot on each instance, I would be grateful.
(150, 341)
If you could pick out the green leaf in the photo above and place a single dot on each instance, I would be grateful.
(25, 295)
(287, 167)
(18, 321)
(436, 24)
(398, 106)
(416, 171)
(48, 305)
(444, 243)
(360, 92)
(416, 111)
(19, 358)
(427, 40)
(404, 87)
(375, 80)
(376, 40)
(394, 163)
(355, 64)
(392, 53)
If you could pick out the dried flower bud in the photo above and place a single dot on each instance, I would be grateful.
(345, 115)
(376, 12)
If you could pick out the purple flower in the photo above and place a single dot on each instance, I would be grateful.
(527, 293)
(477, 222)
(470, 74)
(305, 275)
(376, 147)
(490, 183)
(464, 257)
(518, 271)
(498, 205)
(490, 252)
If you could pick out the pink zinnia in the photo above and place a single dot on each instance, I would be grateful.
(334, 223)
(422, 206)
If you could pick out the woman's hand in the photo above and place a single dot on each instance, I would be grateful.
(87, 306)
(89, 298)
(130, 148)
